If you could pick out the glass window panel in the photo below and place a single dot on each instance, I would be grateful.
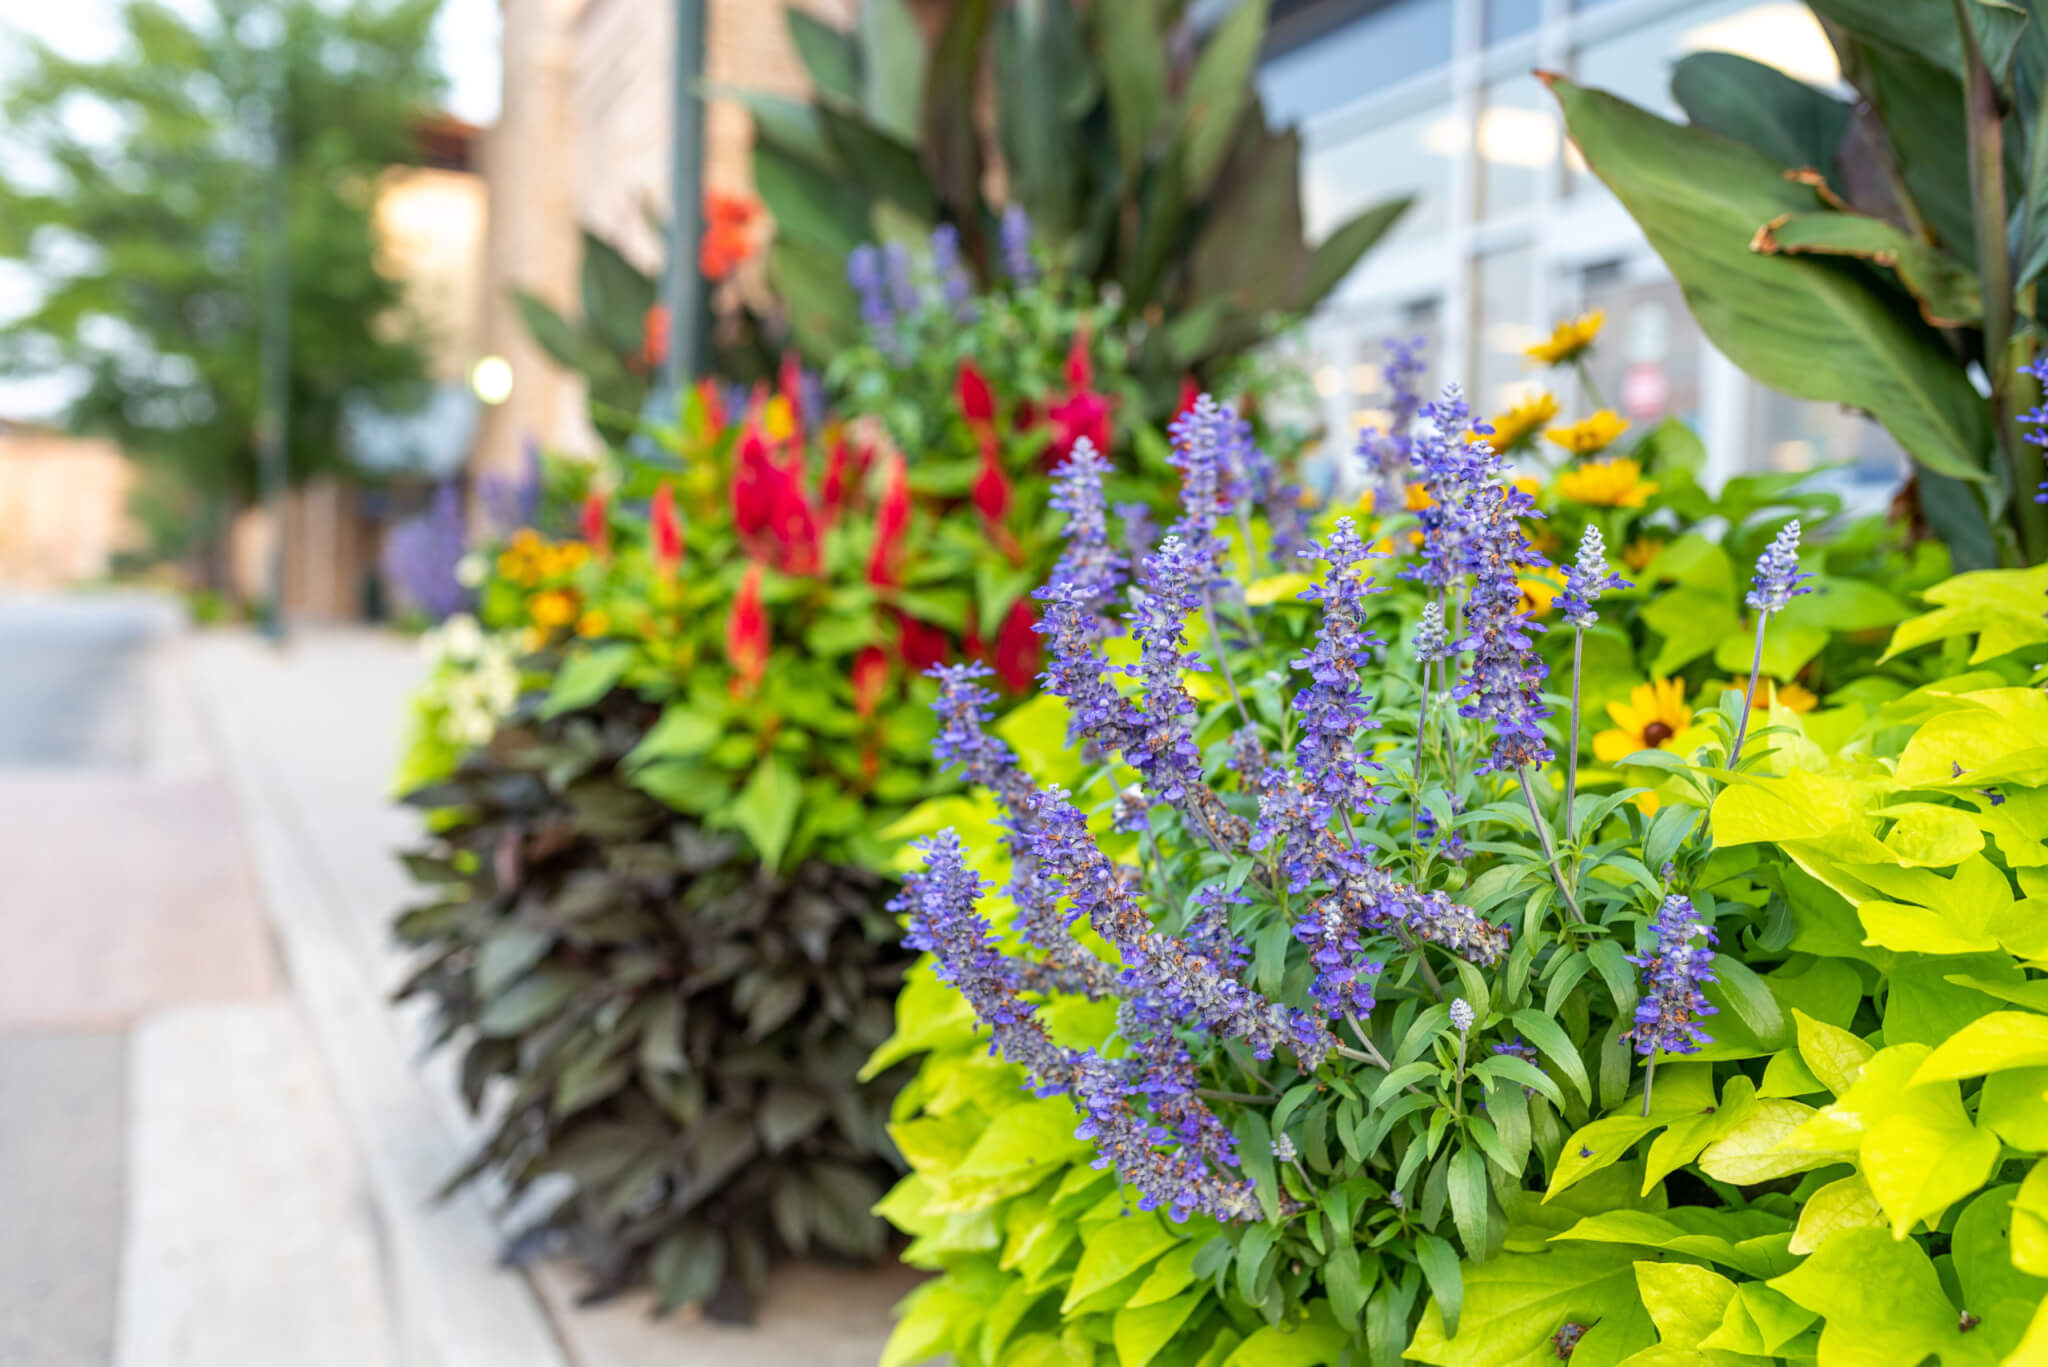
(1507, 19)
(1647, 363)
(1367, 55)
(1350, 375)
(1791, 434)
(1405, 156)
(1504, 326)
(1518, 143)
(1636, 64)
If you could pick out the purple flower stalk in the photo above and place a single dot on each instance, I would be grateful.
(1163, 749)
(1205, 442)
(1072, 627)
(864, 273)
(1334, 707)
(421, 555)
(1087, 562)
(1586, 580)
(1015, 238)
(904, 296)
(1461, 1015)
(1453, 470)
(1674, 971)
(1113, 1095)
(1432, 643)
(954, 286)
(1388, 454)
(1504, 686)
(1778, 579)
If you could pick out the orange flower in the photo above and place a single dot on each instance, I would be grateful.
(728, 234)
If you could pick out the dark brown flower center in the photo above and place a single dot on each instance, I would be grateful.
(1656, 733)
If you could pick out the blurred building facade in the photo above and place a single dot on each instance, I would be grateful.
(1510, 230)
(583, 140)
(63, 506)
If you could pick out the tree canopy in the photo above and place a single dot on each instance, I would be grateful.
(135, 191)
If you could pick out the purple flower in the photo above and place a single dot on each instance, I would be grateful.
(954, 286)
(1205, 442)
(1461, 1015)
(1587, 579)
(1334, 707)
(422, 552)
(1168, 980)
(1674, 971)
(1452, 469)
(1140, 532)
(1566, 1339)
(864, 273)
(904, 296)
(1388, 453)
(1504, 685)
(964, 742)
(1778, 579)
(1087, 562)
(1163, 748)
(510, 502)
(1072, 627)
(1015, 234)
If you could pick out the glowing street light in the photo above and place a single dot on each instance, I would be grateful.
(491, 380)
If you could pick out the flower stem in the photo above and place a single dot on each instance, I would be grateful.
(1223, 660)
(1214, 1094)
(1549, 847)
(1756, 662)
(1649, 1076)
(1571, 761)
(1586, 379)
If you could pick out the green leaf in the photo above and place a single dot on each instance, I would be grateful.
(1439, 1264)
(1835, 1056)
(616, 296)
(1315, 1341)
(556, 336)
(810, 206)
(1881, 1302)
(1028, 1135)
(1595, 1146)
(829, 54)
(1685, 1303)
(1753, 1151)
(892, 67)
(1513, 1304)
(1140, 1332)
(766, 809)
(1217, 92)
(1990, 1044)
(1350, 240)
(586, 678)
(531, 1001)
(1554, 1044)
(1133, 54)
(1115, 1251)
(1468, 1200)
(878, 163)
(683, 731)
(952, 143)
(1788, 121)
(1803, 326)
(1845, 1203)
(688, 1266)
(1946, 290)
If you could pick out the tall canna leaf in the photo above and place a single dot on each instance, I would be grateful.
(952, 142)
(830, 55)
(1218, 92)
(1786, 120)
(1811, 328)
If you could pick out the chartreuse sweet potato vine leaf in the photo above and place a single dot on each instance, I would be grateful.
(2001, 608)
(1515, 1303)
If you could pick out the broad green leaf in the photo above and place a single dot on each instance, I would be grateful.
(1217, 92)
(1689, 1135)
(1751, 1241)
(1134, 55)
(1945, 289)
(1032, 1134)
(1685, 1303)
(1116, 1250)
(1919, 1163)
(531, 1001)
(892, 66)
(1992, 736)
(586, 678)
(2000, 607)
(829, 54)
(1925, 835)
(1752, 1151)
(684, 731)
(1806, 327)
(2014, 1106)
(766, 809)
(1990, 1044)
(1313, 1341)
(1170, 1276)
(1139, 1332)
(1337, 253)
(2030, 1222)
(1759, 1322)
(1788, 121)
(1555, 1045)
(1513, 1304)
(1835, 1056)
(1881, 1301)
(1845, 1203)
(1595, 1146)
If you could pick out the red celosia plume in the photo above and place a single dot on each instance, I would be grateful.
(1019, 649)
(667, 529)
(596, 525)
(870, 679)
(746, 634)
(970, 388)
(892, 526)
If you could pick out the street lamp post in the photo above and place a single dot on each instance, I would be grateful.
(273, 428)
(686, 170)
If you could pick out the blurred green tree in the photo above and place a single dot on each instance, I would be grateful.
(135, 192)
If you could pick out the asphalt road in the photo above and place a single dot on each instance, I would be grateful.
(71, 678)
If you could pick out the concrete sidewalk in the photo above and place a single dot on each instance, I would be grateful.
(309, 735)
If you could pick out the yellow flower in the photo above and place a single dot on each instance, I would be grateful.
(1654, 715)
(1607, 484)
(595, 622)
(1788, 695)
(1416, 498)
(1514, 427)
(1589, 436)
(553, 608)
(526, 541)
(1638, 554)
(778, 419)
(1537, 596)
(1568, 339)
(572, 555)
